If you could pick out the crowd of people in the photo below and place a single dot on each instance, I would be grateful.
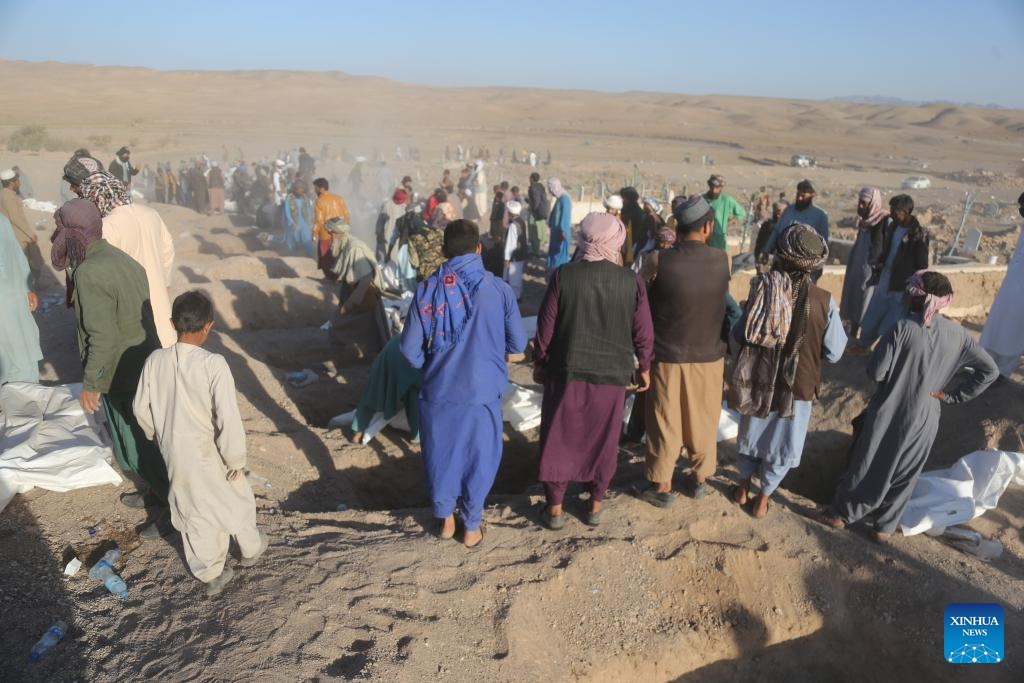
(637, 304)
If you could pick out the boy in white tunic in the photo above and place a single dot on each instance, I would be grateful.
(186, 401)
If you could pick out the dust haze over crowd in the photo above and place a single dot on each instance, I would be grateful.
(365, 592)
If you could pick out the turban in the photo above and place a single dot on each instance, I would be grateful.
(514, 207)
(653, 203)
(614, 202)
(79, 168)
(932, 302)
(801, 248)
(601, 237)
(105, 191)
(79, 224)
(667, 234)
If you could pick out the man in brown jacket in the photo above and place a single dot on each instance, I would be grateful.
(11, 206)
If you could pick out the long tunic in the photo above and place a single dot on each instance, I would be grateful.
(779, 440)
(560, 226)
(140, 232)
(856, 290)
(186, 401)
(902, 418)
(583, 421)
(1003, 335)
(460, 399)
(19, 335)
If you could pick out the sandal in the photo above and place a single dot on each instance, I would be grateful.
(553, 522)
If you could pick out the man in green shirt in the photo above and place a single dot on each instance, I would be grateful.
(115, 336)
(725, 207)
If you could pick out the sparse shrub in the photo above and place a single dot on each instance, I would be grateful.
(27, 138)
(99, 141)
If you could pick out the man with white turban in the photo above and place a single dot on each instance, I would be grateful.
(516, 248)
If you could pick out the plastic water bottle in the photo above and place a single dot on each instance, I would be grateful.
(104, 571)
(48, 641)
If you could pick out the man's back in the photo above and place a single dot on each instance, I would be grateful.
(140, 232)
(472, 370)
(688, 303)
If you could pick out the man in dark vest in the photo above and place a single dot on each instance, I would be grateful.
(687, 299)
(593, 320)
(121, 167)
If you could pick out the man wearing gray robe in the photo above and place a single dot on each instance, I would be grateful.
(913, 365)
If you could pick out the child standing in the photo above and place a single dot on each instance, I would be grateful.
(186, 401)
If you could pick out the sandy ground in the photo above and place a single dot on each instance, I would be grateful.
(699, 592)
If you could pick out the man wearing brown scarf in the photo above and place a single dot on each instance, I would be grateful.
(790, 325)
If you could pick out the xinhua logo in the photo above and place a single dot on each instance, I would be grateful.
(974, 633)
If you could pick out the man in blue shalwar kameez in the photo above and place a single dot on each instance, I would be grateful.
(461, 325)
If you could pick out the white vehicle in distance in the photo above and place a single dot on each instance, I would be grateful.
(802, 161)
(916, 182)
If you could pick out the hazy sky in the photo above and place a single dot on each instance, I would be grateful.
(957, 50)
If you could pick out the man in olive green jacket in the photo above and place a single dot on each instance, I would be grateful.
(115, 336)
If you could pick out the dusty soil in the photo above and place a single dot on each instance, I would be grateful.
(698, 592)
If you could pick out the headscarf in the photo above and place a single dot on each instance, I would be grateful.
(447, 300)
(555, 187)
(932, 303)
(876, 208)
(668, 233)
(777, 311)
(601, 237)
(105, 191)
(353, 259)
(79, 224)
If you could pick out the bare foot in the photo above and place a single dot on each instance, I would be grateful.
(761, 505)
(447, 528)
(471, 539)
(741, 494)
(828, 520)
(595, 505)
(664, 487)
(357, 437)
(883, 537)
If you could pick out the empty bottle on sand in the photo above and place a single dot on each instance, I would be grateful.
(104, 571)
(48, 641)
